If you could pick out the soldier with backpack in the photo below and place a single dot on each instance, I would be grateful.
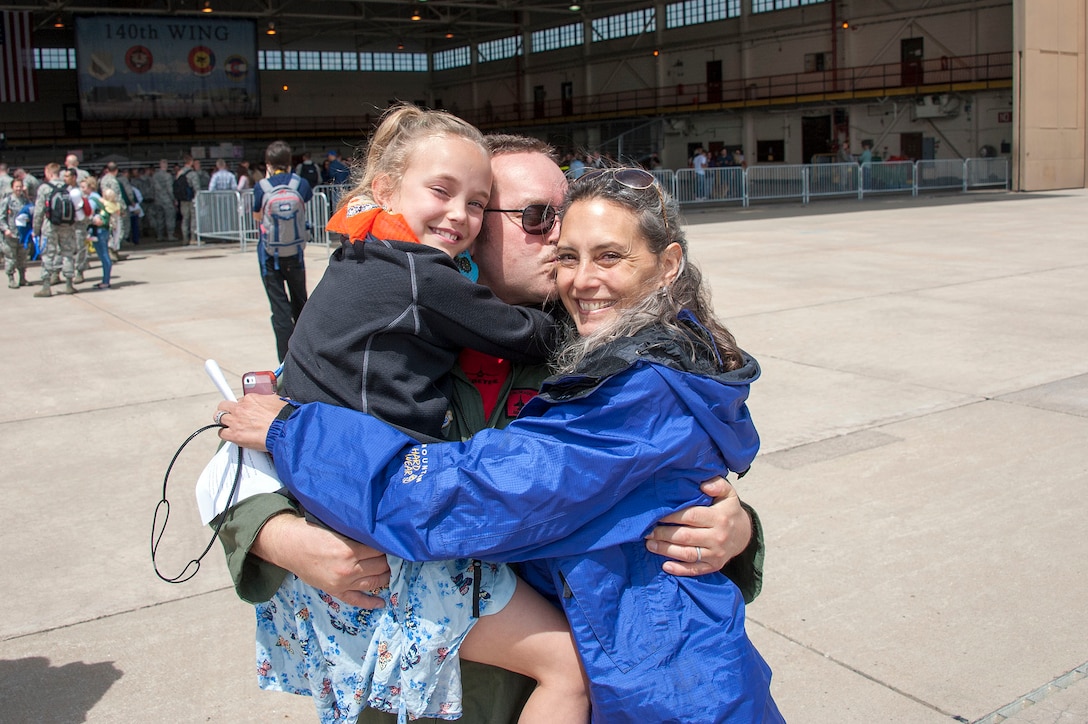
(186, 184)
(55, 222)
(309, 171)
(279, 207)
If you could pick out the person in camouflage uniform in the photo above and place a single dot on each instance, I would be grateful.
(162, 214)
(72, 161)
(13, 220)
(131, 202)
(188, 223)
(140, 178)
(60, 240)
(30, 183)
(204, 178)
(82, 262)
(111, 180)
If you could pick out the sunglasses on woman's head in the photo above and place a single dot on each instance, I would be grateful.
(636, 179)
(633, 178)
(535, 218)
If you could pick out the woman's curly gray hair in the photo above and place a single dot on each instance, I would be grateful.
(657, 214)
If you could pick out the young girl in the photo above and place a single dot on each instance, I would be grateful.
(379, 334)
(99, 229)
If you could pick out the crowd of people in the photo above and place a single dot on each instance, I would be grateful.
(120, 206)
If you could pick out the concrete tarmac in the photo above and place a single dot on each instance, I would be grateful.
(924, 416)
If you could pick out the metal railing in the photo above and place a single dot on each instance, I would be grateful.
(933, 75)
(887, 177)
(228, 215)
(939, 174)
(983, 172)
(224, 216)
(776, 182)
(833, 179)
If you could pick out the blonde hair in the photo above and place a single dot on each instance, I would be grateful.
(399, 132)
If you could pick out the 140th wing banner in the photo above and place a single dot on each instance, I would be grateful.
(152, 67)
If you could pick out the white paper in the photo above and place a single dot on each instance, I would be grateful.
(212, 368)
(214, 484)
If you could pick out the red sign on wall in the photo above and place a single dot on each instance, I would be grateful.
(1004, 116)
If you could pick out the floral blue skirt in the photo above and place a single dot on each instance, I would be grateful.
(400, 659)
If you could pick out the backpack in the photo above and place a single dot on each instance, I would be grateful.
(183, 190)
(283, 218)
(309, 172)
(59, 208)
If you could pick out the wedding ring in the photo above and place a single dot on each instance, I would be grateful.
(698, 553)
(219, 417)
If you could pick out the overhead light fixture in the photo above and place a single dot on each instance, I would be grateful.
(449, 34)
(400, 46)
(59, 22)
(656, 52)
(574, 7)
(284, 86)
(845, 24)
(416, 15)
(271, 28)
(207, 6)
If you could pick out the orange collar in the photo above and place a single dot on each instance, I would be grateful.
(359, 217)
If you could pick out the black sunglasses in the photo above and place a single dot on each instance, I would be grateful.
(535, 218)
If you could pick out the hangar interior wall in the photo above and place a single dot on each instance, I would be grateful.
(1051, 94)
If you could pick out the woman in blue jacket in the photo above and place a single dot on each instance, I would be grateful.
(650, 402)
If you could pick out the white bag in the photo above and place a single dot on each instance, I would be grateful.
(214, 485)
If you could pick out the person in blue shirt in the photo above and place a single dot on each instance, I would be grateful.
(335, 170)
(283, 275)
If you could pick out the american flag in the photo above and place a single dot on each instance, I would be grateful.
(16, 59)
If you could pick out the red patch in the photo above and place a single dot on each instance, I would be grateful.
(517, 400)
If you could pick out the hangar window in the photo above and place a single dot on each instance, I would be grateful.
(565, 36)
(695, 12)
(452, 58)
(766, 6)
(624, 24)
(54, 58)
(499, 49)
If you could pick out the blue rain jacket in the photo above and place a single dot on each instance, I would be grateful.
(570, 488)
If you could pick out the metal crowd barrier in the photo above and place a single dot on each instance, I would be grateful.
(833, 179)
(939, 174)
(887, 177)
(221, 216)
(980, 172)
(776, 182)
(228, 215)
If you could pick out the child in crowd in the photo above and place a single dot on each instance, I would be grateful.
(380, 334)
(99, 229)
(112, 206)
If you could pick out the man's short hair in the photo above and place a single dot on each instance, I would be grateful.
(278, 154)
(502, 143)
(111, 167)
(52, 169)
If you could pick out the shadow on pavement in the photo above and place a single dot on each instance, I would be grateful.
(32, 689)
